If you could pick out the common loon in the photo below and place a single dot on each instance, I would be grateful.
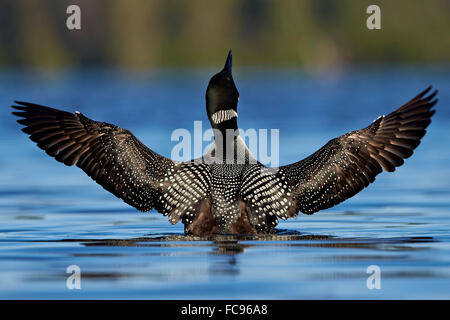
(227, 197)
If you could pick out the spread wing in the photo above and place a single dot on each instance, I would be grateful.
(349, 163)
(117, 160)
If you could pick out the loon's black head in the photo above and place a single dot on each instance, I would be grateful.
(222, 96)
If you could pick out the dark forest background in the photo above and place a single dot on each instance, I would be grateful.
(172, 33)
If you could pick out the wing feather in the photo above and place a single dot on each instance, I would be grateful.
(117, 160)
(349, 163)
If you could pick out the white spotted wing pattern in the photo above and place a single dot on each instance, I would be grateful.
(216, 198)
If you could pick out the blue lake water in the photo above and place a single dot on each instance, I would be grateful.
(53, 216)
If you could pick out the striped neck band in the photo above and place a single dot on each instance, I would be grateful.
(223, 115)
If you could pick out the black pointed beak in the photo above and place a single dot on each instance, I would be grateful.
(229, 62)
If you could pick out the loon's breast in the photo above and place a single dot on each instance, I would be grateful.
(225, 204)
(244, 197)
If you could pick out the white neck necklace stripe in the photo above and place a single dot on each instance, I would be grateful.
(223, 115)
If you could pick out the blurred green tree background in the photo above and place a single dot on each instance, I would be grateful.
(173, 33)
